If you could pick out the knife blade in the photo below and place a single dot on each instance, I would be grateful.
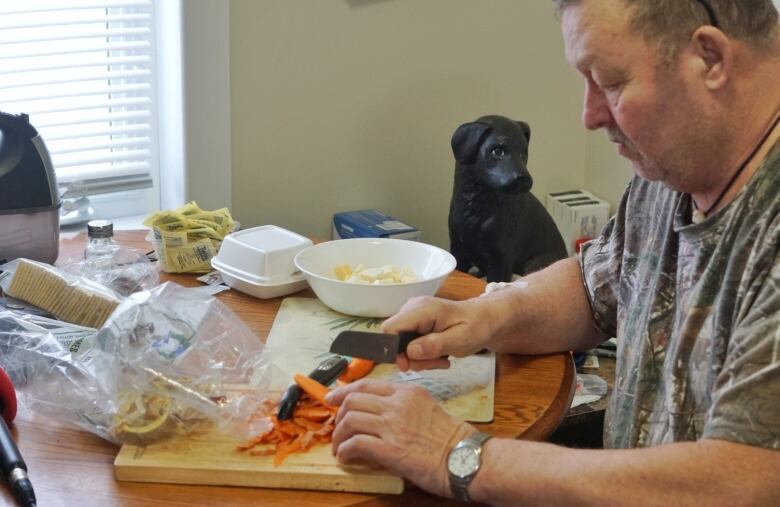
(325, 373)
(378, 347)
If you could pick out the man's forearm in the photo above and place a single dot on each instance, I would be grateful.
(707, 472)
(550, 314)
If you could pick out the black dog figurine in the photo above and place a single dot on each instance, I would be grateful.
(495, 223)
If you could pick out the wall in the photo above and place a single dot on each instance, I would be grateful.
(606, 172)
(349, 104)
(206, 101)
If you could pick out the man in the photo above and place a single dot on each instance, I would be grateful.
(686, 276)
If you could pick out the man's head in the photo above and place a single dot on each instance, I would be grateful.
(670, 23)
(664, 77)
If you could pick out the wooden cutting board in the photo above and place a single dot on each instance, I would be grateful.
(211, 458)
(298, 341)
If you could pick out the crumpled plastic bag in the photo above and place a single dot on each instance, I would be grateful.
(167, 362)
(124, 270)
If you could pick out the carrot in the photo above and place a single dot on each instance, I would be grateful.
(312, 413)
(313, 389)
(283, 449)
(259, 439)
(357, 369)
(312, 424)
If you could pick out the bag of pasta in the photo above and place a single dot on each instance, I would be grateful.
(167, 362)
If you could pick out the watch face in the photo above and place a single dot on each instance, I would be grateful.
(463, 461)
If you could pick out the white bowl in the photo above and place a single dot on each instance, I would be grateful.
(431, 264)
(259, 261)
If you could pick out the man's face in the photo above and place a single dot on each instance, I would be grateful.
(644, 107)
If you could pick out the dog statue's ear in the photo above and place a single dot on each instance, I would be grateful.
(526, 129)
(466, 141)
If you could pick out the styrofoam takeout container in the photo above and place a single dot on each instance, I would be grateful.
(259, 261)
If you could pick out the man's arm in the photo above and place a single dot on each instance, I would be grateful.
(549, 314)
(401, 428)
(706, 472)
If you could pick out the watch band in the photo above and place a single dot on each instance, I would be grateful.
(459, 485)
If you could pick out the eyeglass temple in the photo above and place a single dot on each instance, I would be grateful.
(710, 12)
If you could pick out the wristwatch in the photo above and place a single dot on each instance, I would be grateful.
(463, 463)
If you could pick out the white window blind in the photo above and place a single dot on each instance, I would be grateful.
(84, 72)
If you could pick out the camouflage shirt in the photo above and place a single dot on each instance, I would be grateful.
(696, 312)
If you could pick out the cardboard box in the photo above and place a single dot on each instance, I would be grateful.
(371, 223)
(578, 214)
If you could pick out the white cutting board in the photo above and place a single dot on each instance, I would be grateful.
(304, 328)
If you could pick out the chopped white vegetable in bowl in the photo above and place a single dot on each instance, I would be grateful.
(385, 274)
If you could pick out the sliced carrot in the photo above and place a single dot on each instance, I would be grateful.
(313, 389)
(312, 424)
(259, 439)
(283, 449)
(312, 413)
(357, 369)
(309, 425)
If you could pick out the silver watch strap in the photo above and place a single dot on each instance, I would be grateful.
(460, 485)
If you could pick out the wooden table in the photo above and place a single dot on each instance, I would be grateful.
(70, 467)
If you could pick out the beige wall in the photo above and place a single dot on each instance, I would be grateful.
(349, 104)
(606, 172)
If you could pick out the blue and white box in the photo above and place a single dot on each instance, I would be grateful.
(371, 223)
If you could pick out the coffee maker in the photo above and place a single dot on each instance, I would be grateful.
(29, 198)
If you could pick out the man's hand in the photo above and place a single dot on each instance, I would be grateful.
(450, 328)
(398, 427)
(548, 312)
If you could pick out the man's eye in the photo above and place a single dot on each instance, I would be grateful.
(498, 151)
(611, 87)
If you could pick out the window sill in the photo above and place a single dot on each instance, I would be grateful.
(132, 222)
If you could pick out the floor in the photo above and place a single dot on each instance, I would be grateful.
(584, 433)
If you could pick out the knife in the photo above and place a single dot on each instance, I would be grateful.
(378, 347)
(325, 373)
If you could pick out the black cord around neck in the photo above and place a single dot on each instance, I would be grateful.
(741, 168)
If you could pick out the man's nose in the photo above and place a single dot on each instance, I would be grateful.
(595, 112)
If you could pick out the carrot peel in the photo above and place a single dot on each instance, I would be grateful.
(356, 369)
(312, 424)
(313, 389)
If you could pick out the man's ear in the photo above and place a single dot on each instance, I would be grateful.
(715, 51)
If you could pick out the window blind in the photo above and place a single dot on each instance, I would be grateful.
(84, 72)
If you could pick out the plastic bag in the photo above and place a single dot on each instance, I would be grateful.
(590, 385)
(66, 296)
(167, 362)
(124, 270)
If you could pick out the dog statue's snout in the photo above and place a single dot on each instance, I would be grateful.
(520, 184)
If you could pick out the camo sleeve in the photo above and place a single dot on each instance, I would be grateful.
(601, 263)
(745, 396)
